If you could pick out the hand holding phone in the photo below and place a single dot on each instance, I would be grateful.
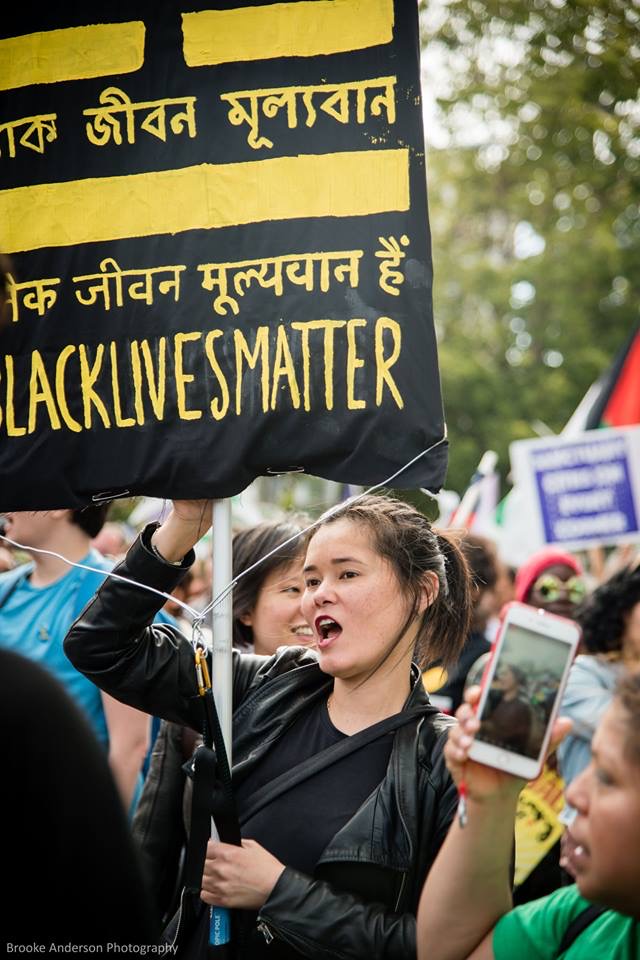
(522, 688)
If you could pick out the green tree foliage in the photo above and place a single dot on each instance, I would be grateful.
(533, 164)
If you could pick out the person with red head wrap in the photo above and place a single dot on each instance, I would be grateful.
(553, 580)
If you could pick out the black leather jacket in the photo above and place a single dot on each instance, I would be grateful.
(363, 897)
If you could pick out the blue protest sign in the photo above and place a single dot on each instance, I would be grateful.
(585, 491)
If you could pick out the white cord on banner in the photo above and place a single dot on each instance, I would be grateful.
(296, 536)
(104, 573)
(198, 617)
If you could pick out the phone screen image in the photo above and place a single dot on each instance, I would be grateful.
(524, 686)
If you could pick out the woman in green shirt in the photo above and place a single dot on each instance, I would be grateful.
(465, 907)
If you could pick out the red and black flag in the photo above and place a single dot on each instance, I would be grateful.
(617, 401)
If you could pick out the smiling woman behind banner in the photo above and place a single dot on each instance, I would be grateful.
(340, 783)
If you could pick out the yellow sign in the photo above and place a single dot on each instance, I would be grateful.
(537, 822)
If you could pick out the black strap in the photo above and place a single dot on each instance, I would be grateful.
(307, 768)
(204, 782)
(223, 800)
(578, 924)
(212, 796)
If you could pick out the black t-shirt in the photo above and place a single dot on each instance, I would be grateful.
(299, 823)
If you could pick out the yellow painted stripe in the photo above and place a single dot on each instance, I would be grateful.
(203, 197)
(303, 29)
(74, 54)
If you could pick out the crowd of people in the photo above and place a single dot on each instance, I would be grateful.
(359, 621)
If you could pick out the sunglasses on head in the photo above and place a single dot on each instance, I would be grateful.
(552, 588)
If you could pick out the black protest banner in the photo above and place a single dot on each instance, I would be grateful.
(217, 222)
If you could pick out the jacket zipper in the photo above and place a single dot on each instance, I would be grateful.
(180, 923)
(271, 932)
(400, 892)
(265, 931)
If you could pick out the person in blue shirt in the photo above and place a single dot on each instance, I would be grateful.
(38, 603)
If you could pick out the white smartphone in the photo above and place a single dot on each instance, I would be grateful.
(522, 688)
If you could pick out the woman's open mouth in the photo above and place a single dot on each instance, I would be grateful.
(327, 629)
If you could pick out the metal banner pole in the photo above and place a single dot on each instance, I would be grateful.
(221, 673)
(222, 618)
